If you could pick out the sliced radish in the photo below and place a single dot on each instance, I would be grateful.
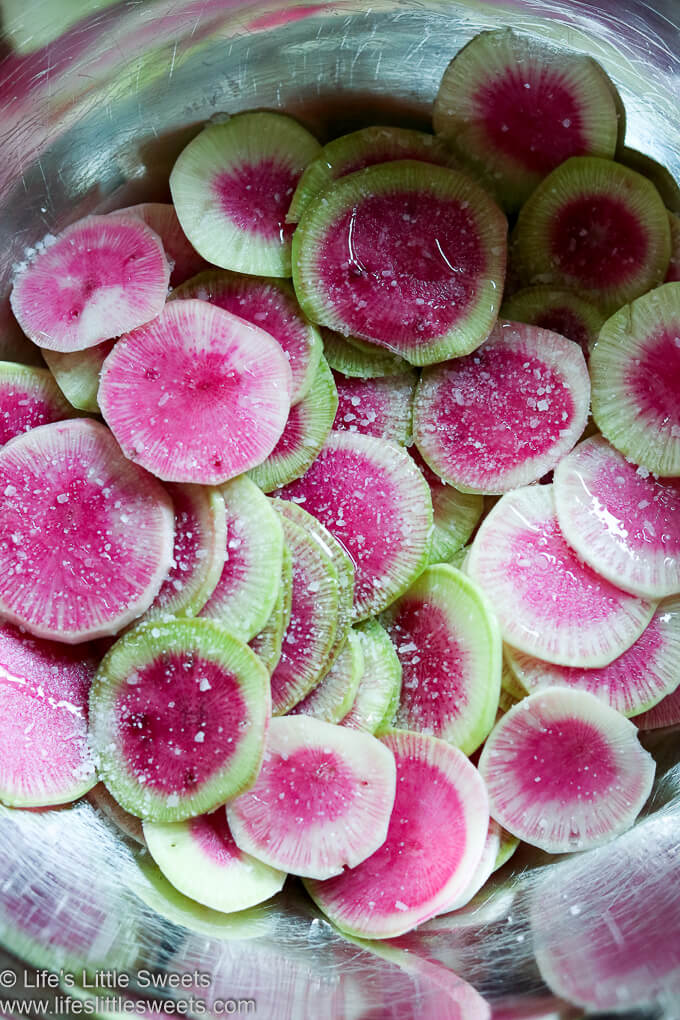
(334, 695)
(433, 847)
(200, 858)
(270, 305)
(162, 219)
(197, 395)
(565, 772)
(548, 602)
(449, 647)
(77, 374)
(371, 496)
(509, 844)
(428, 293)
(128, 824)
(322, 800)
(268, 643)
(639, 678)
(28, 397)
(232, 186)
(44, 756)
(178, 717)
(622, 521)
(634, 370)
(659, 175)
(665, 713)
(359, 360)
(199, 551)
(85, 536)
(456, 513)
(673, 274)
(561, 311)
(306, 430)
(100, 277)
(245, 594)
(377, 697)
(484, 869)
(505, 415)
(380, 407)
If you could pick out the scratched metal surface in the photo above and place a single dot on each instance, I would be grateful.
(96, 100)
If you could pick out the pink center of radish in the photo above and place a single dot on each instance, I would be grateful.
(303, 634)
(293, 434)
(256, 197)
(596, 240)
(405, 265)
(363, 405)
(308, 786)
(181, 718)
(536, 123)
(21, 411)
(566, 322)
(654, 379)
(213, 835)
(563, 761)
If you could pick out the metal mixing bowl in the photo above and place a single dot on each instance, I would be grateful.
(96, 101)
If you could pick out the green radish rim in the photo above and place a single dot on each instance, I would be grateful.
(357, 359)
(377, 696)
(77, 374)
(267, 644)
(656, 172)
(456, 514)
(558, 309)
(509, 844)
(333, 696)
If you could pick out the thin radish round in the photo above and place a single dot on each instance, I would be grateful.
(665, 713)
(622, 521)
(377, 696)
(178, 718)
(505, 415)
(85, 536)
(449, 647)
(484, 869)
(197, 395)
(162, 219)
(673, 274)
(565, 772)
(548, 602)
(372, 498)
(381, 407)
(456, 513)
(322, 800)
(659, 175)
(44, 756)
(100, 277)
(29, 397)
(268, 643)
(433, 847)
(359, 360)
(334, 695)
(200, 858)
(77, 373)
(561, 311)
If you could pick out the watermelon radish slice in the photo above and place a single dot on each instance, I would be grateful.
(456, 513)
(85, 536)
(665, 713)
(561, 311)
(162, 218)
(673, 274)
(638, 679)
(247, 589)
(484, 869)
(100, 277)
(28, 397)
(565, 772)
(44, 686)
(365, 361)
(433, 847)
(232, 186)
(659, 175)
(634, 368)
(271, 305)
(199, 553)
(380, 407)
(77, 374)
(508, 845)
(322, 800)
(624, 523)
(372, 498)
(334, 695)
(548, 602)
(505, 415)
(377, 697)
(200, 858)
(128, 824)
(178, 717)
(515, 108)
(367, 147)
(311, 631)
(197, 395)
(427, 294)
(597, 227)
(268, 643)
(449, 647)
(305, 432)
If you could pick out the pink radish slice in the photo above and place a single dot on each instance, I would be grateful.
(381, 407)
(162, 219)
(29, 397)
(620, 519)
(433, 847)
(373, 499)
(100, 277)
(565, 772)
(505, 415)
(484, 869)
(548, 602)
(85, 536)
(197, 395)
(665, 713)
(639, 678)
(321, 802)
(270, 305)
(44, 756)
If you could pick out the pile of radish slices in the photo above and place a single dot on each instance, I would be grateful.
(309, 507)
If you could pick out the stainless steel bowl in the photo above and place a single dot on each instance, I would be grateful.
(96, 101)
